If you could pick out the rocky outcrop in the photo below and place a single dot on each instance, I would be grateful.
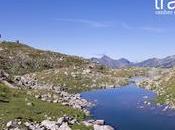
(73, 100)
(62, 123)
(97, 124)
(104, 127)
(54, 94)
(5, 79)
(3, 75)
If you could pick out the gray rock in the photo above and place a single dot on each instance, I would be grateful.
(12, 124)
(105, 127)
(37, 96)
(86, 123)
(27, 124)
(64, 126)
(60, 120)
(30, 104)
(52, 125)
(3, 75)
(73, 121)
(99, 122)
(55, 101)
(16, 129)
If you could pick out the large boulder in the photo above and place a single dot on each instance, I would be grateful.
(60, 120)
(99, 122)
(64, 126)
(52, 125)
(103, 127)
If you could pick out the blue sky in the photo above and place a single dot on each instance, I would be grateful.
(118, 28)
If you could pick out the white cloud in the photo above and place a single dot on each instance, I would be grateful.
(108, 24)
(143, 28)
(152, 29)
(84, 21)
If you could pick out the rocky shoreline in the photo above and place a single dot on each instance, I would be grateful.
(158, 86)
(53, 95)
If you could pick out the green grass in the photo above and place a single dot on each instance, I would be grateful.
(169, 91)
(80, 81)
(19, 59)
(13, 105)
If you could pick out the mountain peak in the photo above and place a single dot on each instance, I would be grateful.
(106, 60)
(105, 57)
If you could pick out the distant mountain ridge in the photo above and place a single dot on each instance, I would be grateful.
(167, 62)
(105, 60)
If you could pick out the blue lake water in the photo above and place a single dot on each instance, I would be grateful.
(124, 109)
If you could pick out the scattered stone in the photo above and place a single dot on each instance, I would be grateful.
(30, 104)
(60, 124)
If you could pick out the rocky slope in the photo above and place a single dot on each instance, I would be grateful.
(19, 59)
